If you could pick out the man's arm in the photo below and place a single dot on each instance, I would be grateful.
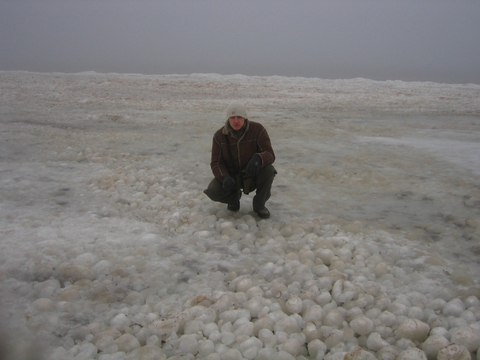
(217, 163)
(265, 148)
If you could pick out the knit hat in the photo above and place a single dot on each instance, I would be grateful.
(236, 109)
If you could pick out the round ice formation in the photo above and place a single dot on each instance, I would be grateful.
(387, 318)
(388, 353)
(334, 338)
(287, 325)
(472, 301)
(413, 329)
(291, 346)
(375, 342)
(244, 285)
(120, 321)
(454, 352)
(412, 353)
(294, 304)
(359, 354)
(362, 325)
(43, 304)
(334, 318)
(466, 336)
(147, 352)
(433, 345)
(127, 343)
(454, 307)
(326, 255)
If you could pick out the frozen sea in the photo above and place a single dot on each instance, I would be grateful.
(110, 250)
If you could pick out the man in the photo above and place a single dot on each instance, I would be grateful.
(242, 158)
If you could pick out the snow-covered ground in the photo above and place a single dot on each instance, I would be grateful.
(110, 250)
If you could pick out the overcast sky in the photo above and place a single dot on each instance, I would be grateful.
(421, 40)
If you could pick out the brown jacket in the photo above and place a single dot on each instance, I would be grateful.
(255, 140)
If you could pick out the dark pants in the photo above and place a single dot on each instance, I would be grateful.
(263, 184)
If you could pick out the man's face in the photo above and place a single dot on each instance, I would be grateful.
(236, 122)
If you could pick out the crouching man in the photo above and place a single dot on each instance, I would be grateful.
(242, 158)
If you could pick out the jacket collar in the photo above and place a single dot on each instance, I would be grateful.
(227, 129)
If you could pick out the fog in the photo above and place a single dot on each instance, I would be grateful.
(381, 40)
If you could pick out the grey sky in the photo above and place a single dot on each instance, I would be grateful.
(421, 40)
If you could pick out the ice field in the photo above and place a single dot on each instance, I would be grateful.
(110, 250)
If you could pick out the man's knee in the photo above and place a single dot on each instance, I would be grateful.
(267, 174)
(215, 190)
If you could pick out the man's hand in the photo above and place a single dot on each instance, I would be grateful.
(253, 166)
(228, 182)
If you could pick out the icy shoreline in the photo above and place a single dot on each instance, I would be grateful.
(106, 231)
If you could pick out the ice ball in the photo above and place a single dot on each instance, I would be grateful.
(440, 331)
(454, 308)
(254, 306)
(267, 337)
(375, 342)
(43, 304)
(388, 353)
(433, 345)
(317, 349)
(262, 323)
(288, 325)
(326, 255)
(164, 327)
(228, 338)
(323, 298)
(224, 303)
(290, 346)
(359, 354)
(203, 314)
(147, 353)
(311, 331)
(380, 269)
(254, 291)
(466, 336)
(102, 267)
(120, 321)
(75, 273)
(104, 342)
(245, 328)
(412, 353)
(293, 305)
(334, 339)
(266, 354)
(334, 318)
(244, 285)
(362, 325)
(229, 354)
(206, 347)
(188, 344)
(250, 347)
(86, 351)
(415, 313)
(193, 326)
(454, 352)
(85, 259)
(279, 291)
(314, 314)
(283, 355)
(127, 343)
(472, 301)
(209, 328)
(413, 329)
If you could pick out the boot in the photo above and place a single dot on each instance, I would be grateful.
(263, 213)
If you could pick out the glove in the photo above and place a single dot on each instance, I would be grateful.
(253, 166)
(228, 182)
